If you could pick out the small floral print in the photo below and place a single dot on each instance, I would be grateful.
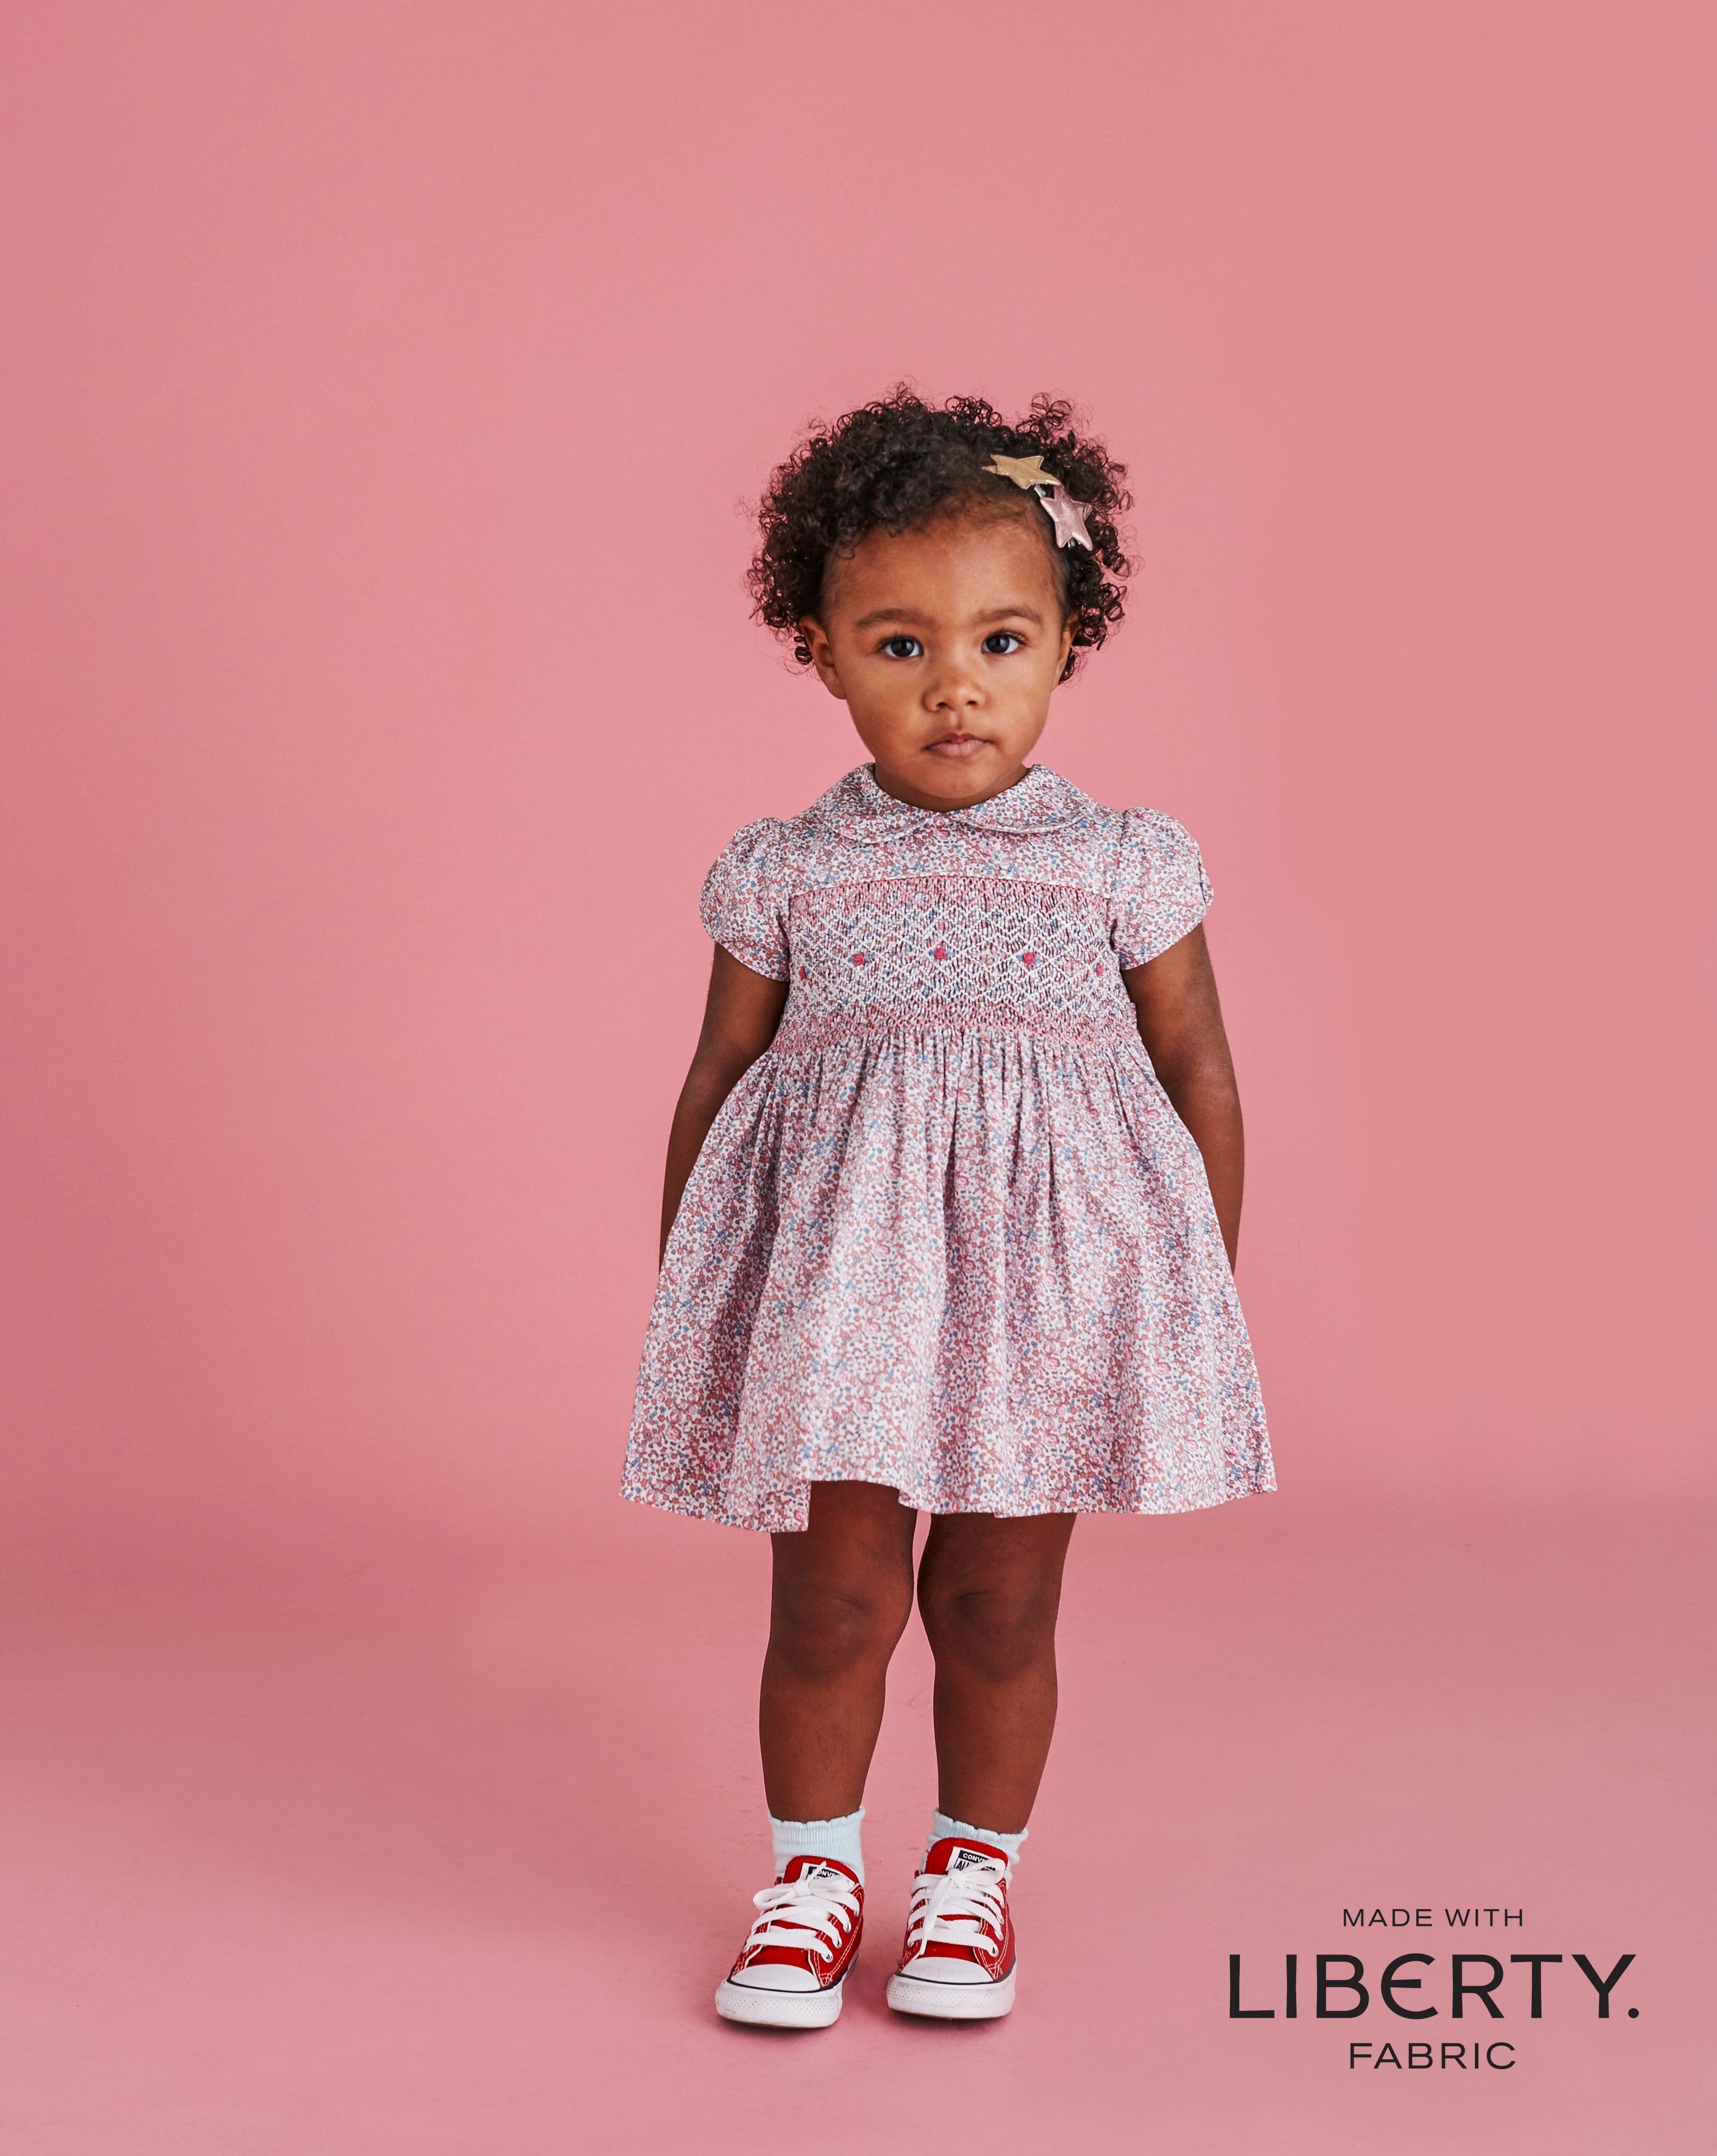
(948, 1234)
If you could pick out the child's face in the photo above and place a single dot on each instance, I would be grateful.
(944, 644)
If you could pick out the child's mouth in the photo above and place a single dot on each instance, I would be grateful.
(958, 745)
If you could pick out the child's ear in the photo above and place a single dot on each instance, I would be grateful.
(1068, 627)
(822, 652)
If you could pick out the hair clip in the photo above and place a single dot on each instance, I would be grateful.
(1064, 513)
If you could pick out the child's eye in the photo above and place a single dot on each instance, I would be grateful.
(903, 647)
(1002, 642)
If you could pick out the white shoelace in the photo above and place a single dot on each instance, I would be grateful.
(957, 1909)
(825, 1909)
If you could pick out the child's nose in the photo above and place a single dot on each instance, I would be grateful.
(956, 686)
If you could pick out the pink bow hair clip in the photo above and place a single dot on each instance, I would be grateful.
(1064, 513)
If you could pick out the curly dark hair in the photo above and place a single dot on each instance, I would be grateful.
(900, 463)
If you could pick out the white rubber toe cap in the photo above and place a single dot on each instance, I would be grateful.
(962, 2000)
(769, 2009)
(774, 1976)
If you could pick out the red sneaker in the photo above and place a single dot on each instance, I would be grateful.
(957, 1961)
(796, 1956)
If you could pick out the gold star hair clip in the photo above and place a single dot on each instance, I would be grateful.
(1064, 513)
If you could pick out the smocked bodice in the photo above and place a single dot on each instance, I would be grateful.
(943, 954)
(1016, 916)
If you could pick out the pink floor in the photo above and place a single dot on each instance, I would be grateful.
(450, 1860)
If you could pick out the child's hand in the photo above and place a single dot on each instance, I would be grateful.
(740, 1020)
(1181, 1024)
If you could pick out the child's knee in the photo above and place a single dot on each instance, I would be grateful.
(820, 1630)
(997, 1632)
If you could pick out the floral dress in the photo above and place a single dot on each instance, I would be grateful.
(947, 1235)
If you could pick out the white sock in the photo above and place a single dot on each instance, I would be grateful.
(837, 1837)
(941, 1826)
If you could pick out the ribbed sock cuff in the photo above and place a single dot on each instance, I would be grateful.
(837, 1837)
(941, 1826)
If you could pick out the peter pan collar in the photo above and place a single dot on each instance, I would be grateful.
(1042, 801)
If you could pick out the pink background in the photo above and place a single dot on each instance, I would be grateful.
(382, 383)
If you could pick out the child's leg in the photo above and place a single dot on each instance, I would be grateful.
(842, 1595)
(988, 1591)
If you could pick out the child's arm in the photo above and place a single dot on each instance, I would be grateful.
(1181, 1024)
(740, 1020)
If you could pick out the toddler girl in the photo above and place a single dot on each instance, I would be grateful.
(954, 1183)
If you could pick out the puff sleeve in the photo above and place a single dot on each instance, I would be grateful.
(1162, 891)
(744, 907)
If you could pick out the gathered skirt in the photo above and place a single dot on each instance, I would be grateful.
(980, 1269)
